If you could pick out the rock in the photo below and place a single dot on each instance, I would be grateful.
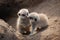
(7, 32)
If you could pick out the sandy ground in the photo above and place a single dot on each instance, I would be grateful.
(52, 9)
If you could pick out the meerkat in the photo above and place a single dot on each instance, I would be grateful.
(23, 23)
(37, 21)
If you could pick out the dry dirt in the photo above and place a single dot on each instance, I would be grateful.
(52, 9)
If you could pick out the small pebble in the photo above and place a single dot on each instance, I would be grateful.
(56, 20)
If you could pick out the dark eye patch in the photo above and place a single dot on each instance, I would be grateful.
(35, 19)
(27, 13)
(31, 17)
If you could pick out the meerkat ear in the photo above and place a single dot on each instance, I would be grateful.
(18, 14)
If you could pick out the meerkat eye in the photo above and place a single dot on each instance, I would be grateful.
(23, 14)
(30, 17)
(35, 19)
(27, 14)
(19, 14)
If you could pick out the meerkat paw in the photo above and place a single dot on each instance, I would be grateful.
(33, 33)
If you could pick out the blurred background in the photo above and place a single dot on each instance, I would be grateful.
(10, 8)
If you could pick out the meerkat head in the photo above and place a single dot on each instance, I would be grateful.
(23, 13)
(34, 17)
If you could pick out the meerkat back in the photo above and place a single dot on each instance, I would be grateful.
(43, 20)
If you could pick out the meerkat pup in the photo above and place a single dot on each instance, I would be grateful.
(23, 23)
(37, 21)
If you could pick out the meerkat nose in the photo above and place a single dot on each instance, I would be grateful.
(23, 15)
